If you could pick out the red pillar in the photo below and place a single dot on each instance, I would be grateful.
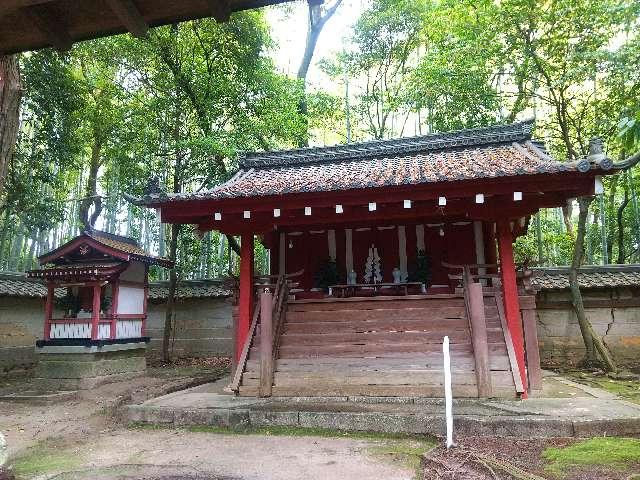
(48, 311)
(245, 300)
(115, 287)
(95, 313)
(510, 296)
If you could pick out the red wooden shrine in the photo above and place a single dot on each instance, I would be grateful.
(102, 286)
(461, 197)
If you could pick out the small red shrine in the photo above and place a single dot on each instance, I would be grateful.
(105, 278)
(378, 250)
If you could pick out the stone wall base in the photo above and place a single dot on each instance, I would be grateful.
(83, 368)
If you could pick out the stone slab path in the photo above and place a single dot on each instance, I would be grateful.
(562, 409)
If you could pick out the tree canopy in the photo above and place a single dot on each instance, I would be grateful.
(103, 118)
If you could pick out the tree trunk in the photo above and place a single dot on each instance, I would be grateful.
(317, 21)
(610, 207)
(592, 342)
(91, 193)
(173, 243)
(171, 297)
(620, 221)
(10, 96)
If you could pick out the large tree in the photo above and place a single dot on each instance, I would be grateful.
(10, 95)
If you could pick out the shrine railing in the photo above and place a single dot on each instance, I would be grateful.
(272, 320)
(475, 309)
(117, 326)
(269, 313)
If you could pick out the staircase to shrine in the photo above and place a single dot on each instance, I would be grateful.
(379, 346)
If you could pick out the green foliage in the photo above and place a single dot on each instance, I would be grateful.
(68, 303)
(609, 452)
(420, 271)
(328, 273)
(183, 103)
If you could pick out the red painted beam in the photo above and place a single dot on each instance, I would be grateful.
(426, 212)
(510, 297)
(48, 310)
(245, 300)
(95, 313)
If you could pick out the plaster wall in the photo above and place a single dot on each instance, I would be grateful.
(203, 327)
(21, 324)
(614, 314)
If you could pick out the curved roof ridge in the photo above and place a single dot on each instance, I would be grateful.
(496, 134)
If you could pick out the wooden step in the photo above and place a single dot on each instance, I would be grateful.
(424, 313)
(356, 326)
(497, 362)
(374, 304)
(390, 377)
(459, 391)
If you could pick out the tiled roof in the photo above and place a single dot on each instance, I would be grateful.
(191, 289)
(588, 277)
(18, 285)
(489, 152)
(122, 244)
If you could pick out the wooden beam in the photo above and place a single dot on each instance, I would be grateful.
(479, 340)
(48, 21)
(130, 17)
(266, 343)
(532, 349)
(220, 10)
(511, 299)
(245, 301)
(8, 6)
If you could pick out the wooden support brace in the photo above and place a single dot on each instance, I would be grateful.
(479, 339)
(532, 349)
(266, 343)
(130, 17)
(511, 301)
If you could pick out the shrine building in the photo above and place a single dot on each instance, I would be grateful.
(94, 328)
(377, 251)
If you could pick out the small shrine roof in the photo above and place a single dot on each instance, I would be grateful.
(478, 153)
(122, 248)
(76, 269)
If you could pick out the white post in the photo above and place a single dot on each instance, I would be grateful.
(448, 395)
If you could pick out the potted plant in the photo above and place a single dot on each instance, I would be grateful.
(420, 271)
(328, 274)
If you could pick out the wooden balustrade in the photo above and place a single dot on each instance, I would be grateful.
(474, 304)
(266, 343)
(271, 324)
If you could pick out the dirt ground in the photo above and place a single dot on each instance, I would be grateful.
(83, 438)
(510, 459)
